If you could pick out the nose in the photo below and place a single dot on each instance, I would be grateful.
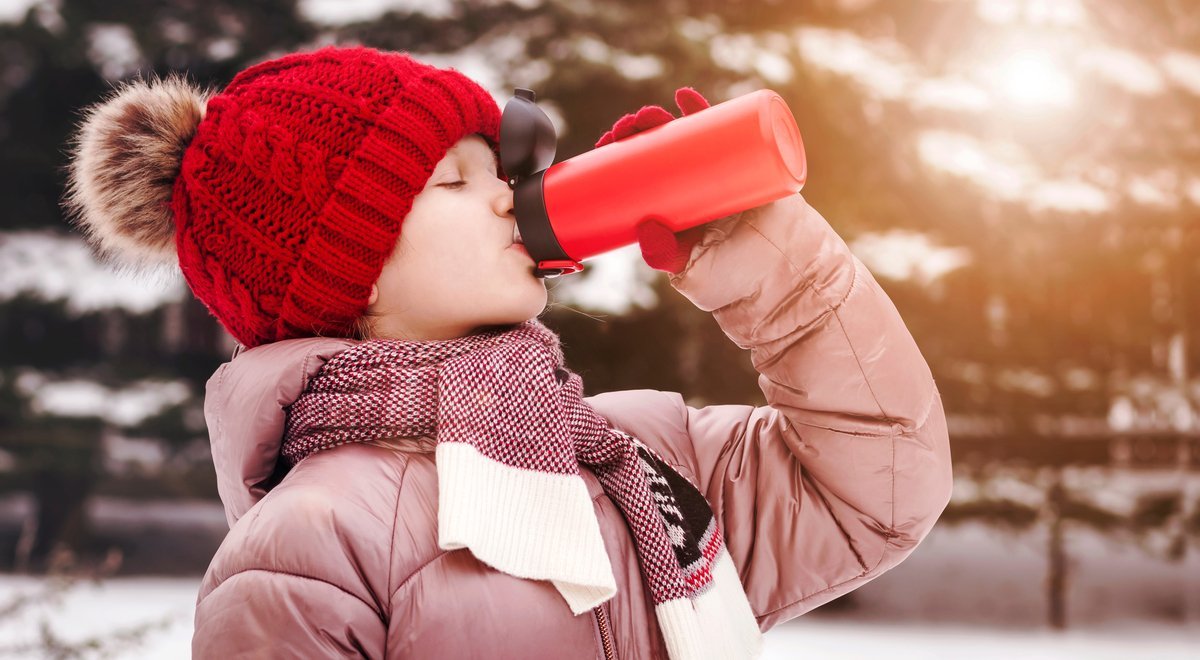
(502, 202)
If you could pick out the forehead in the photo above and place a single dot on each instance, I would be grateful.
(472, 146)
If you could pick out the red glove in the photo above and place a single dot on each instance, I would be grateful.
(662, 248)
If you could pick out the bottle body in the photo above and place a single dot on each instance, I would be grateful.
(727, 158)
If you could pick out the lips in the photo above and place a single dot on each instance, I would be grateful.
(520, 247)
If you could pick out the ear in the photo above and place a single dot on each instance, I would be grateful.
(374, 295)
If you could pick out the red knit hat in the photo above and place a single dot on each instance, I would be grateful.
(291, 194)
(294, 189)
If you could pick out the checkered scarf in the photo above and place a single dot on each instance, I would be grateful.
(512, 431)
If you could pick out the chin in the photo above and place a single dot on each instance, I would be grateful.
(519, 310)
(529, 311)
(530, 301)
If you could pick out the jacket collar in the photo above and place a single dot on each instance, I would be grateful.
(245, 404)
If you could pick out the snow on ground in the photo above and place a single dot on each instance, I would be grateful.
(89, 609)
(971, 590)
(814, 640)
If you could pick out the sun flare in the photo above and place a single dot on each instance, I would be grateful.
(1032, 78)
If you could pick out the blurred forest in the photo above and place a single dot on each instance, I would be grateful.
(1020, 175)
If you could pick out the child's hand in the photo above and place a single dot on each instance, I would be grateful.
(689, 101)
(662, 248)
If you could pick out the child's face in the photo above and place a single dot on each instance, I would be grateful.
(455, 267)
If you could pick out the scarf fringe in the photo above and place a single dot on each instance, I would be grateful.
(526, 523)
(715, 624)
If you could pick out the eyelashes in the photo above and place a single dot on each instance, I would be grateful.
(463, 180)
(458, 184)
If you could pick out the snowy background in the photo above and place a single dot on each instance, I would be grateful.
(161, 609)
(1020, 175)
(1122, 602)
(918, 610)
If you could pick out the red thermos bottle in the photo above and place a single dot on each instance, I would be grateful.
(726, 158)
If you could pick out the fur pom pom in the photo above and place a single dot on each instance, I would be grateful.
(126, 154)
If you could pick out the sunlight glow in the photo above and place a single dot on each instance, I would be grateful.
(1031, 77)
(1158, 190)
(950, 94)
(1006, 172)
(1184, 69)
(1069, 196)
(1192, 190)
(1003, 173)
(883, 67)
(1128, 70)
(1035, 12)
(747, 54)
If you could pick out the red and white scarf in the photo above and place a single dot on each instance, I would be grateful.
(512, 431)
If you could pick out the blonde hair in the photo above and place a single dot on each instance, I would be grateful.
(362, 328)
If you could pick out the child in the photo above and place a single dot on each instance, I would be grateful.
(409, 469)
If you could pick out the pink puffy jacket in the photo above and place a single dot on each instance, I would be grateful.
(832, 483)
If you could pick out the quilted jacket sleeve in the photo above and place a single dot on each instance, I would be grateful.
(269, 614)
(847, 467)
(305, 572)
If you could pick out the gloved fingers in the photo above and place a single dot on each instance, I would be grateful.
(689, 101)
(646, 118)
(649, 116)
(660, 249)
(664, 249)
(655, 235)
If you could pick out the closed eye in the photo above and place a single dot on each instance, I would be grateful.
(453, 184)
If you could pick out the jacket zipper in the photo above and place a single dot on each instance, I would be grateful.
(605, 635)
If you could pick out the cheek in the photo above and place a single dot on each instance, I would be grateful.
(502, 278)
(454, 262)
